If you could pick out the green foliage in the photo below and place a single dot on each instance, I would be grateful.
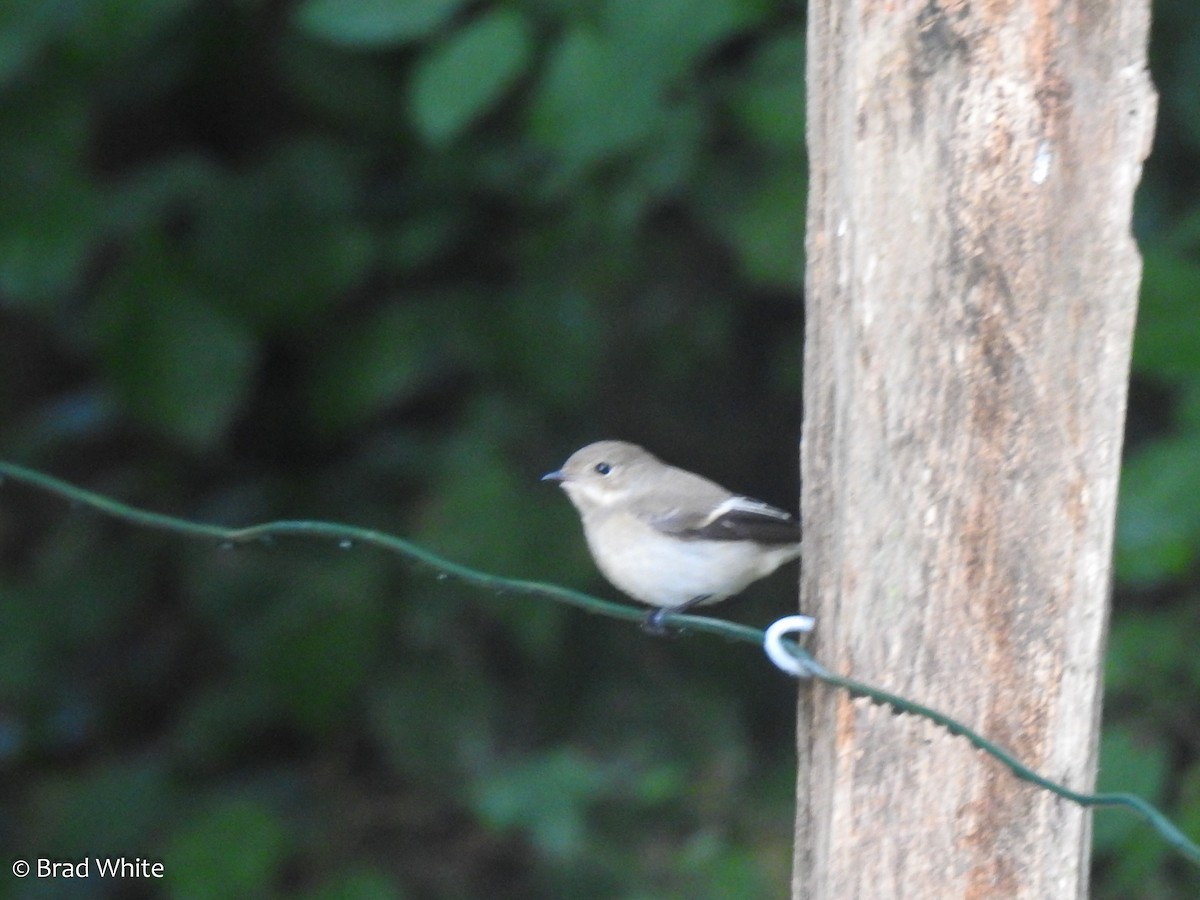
(1126, 765)
(370, 366)
(461, 79)
(1158, 537)
(53, 209)
(234, 848)
(388, 262)
(111, 805)
(181, 367)
(547, 796)
(585, 112)
(373, 23)
(362, 884)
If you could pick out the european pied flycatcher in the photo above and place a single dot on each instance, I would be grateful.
(667, 537)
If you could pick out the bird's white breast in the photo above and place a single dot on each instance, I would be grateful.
(665, 570)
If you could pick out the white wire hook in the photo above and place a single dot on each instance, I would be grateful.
(779, 653)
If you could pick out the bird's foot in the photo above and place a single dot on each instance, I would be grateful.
(655, 622)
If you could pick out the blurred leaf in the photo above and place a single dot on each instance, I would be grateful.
(660, 172)
(1181, 100)
(547, 796)
(1129, 764)
(277, 245)
(233, 848)
(1184, 234)
(562, 365)
(1188, 406)
(94, 606)
(720, 867)
(178, 364)
(373, 23)
(426, 235)
(154, 192)
(464, 76)
(107, 809)
(27, 27)
(769, 230)
(429, 716)
(605, 89)
(52, 210)
(1153, 651)
(222, 718)
(62, 622)
(470, 517)
(23, 646)
(358, 884)
(375, 365)
(663, 39)
(1165, 342)
(585, 109)
(319, 647)
(108, 29)
(762, 216)
(353, 90)
(769, 100)
(1157, 535)
(1188, 818)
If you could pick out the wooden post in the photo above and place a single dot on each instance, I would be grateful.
(972, 284)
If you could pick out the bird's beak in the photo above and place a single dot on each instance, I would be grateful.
(556, 475)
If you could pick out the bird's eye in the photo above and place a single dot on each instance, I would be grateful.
(601, 468)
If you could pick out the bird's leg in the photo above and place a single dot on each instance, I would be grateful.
(654, 624)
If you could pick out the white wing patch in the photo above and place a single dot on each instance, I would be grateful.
(744, 505)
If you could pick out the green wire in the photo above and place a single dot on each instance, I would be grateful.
(344, 534)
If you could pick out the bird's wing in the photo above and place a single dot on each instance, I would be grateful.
(734, 519)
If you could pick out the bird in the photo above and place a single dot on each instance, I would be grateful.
(667, 537)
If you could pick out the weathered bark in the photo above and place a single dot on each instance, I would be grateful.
(972, 283)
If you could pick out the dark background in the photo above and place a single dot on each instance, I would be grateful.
(387, 263)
